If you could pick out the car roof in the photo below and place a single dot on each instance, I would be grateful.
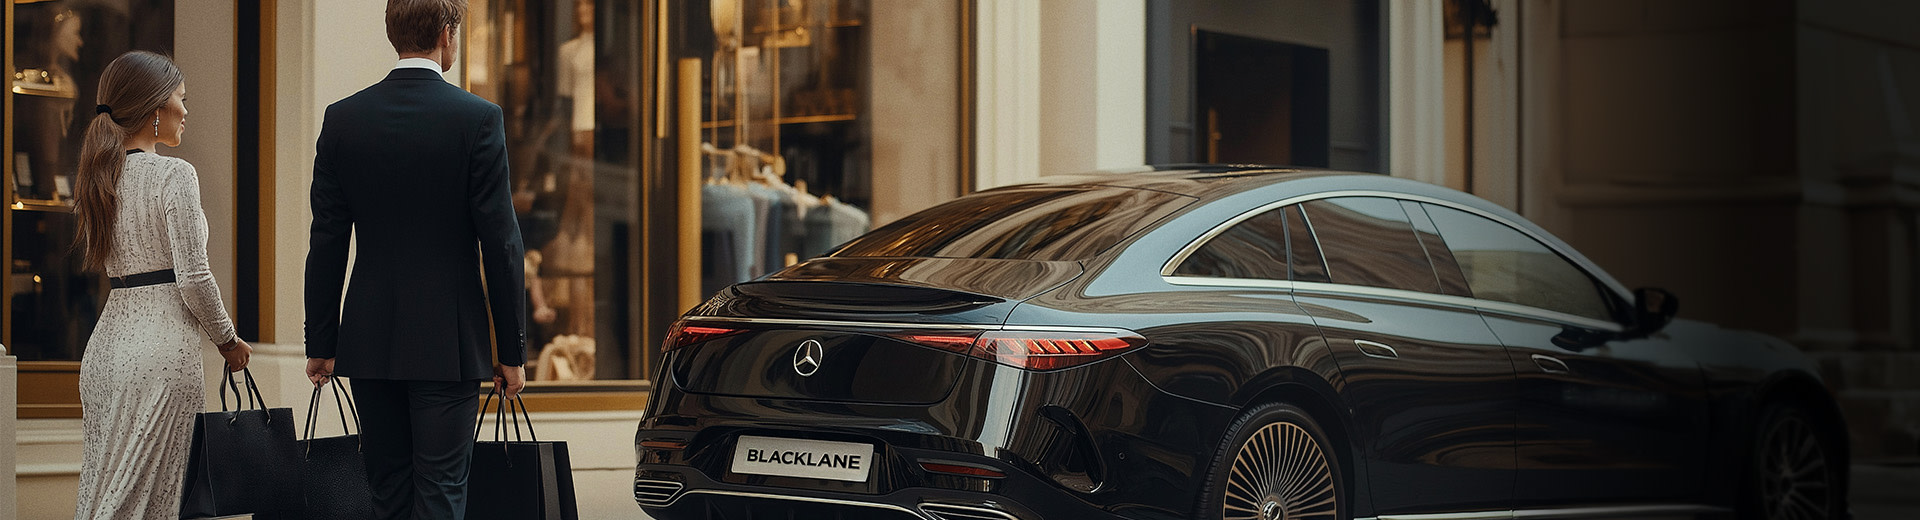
(1252, 185)
(1204, 181)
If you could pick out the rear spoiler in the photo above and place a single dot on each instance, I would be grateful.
(1012, 280)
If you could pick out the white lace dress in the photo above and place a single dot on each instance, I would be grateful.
(140, 376)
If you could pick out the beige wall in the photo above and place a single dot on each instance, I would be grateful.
(327, 51)
(9, 411)
(1757, 158)
(915, 82)
(1093, 89)
(1675, 118)
(1060, 88)
(1858, 93)
(204, 34)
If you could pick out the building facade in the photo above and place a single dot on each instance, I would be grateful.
(1757, 158)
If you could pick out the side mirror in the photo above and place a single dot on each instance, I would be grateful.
(1653, 309)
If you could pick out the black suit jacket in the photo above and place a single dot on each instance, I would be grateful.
(415, 169)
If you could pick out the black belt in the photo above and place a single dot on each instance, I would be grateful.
(142, 279)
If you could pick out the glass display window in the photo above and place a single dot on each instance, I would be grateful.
(664, 150)
(560, 71)
(58, 51)
(786, 166)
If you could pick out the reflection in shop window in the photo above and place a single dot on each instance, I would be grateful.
(787, 161)
(567, 123)
(59, 50)
(781, 119)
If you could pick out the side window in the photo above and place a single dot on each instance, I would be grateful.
(1502, 264)
(1368, 241)
(1308, 265)
(1254, 248)
(1452, 282)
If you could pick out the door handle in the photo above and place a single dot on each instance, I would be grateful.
(1550, 364)
(1379, 350)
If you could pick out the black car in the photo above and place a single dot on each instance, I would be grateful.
(1225, 342)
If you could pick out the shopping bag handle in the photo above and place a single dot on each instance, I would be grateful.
(516, 408)
(342, 401)
(242, 400)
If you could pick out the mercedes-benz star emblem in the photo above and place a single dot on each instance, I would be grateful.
(806, 359)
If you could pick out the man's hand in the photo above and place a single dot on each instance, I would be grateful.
(509, 380)
(319, 371)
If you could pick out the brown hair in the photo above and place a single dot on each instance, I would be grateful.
(413, 26)
(132, 88)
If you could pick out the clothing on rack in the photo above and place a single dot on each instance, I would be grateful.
(727, 226)
(832, 224)
(751, 221)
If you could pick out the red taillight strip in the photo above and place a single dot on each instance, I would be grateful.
(683, 333)
(1050, 350)
(956, 343)
(955, 469)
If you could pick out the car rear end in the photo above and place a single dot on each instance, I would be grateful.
(885, 382)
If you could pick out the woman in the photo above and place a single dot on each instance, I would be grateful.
(141, 223)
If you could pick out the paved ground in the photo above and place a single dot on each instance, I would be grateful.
(606, 495)
(1886, 491)
(1881, 492)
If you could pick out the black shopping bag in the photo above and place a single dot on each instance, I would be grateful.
(242, 461)
(519, 479)
(333, 475)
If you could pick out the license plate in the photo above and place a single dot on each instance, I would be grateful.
(848, 461)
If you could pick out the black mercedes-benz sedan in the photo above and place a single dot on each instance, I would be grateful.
(1225, 343)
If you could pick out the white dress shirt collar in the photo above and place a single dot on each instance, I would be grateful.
(417, 63)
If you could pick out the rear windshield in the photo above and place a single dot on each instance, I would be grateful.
(1068, 223)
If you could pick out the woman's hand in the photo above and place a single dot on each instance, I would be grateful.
(237, 352)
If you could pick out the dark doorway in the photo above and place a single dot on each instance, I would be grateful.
(1260, 101)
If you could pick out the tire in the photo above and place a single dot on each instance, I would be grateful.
(1274, 463)
(1791, 474)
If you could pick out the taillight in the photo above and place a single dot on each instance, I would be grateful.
(1036, 350)
(1031, 350)
(683, 334)
(958, 469)
(958, 343)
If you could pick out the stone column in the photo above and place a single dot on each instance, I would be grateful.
(9, 410)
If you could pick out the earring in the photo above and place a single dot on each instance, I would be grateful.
(156, 126)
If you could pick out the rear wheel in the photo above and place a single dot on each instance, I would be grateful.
(1274, 463)
(1793, 475)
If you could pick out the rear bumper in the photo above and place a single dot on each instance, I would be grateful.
(1076, 443)
(699, 497)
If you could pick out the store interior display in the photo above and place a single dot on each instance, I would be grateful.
(547, 64)
(786, 148)
(59, 50)
(786, 160)
(752, 222)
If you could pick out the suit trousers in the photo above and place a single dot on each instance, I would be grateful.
(418, 445)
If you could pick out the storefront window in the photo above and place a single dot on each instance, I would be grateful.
(818, 120)
(560, 77)
(785, 162)
(59, 50)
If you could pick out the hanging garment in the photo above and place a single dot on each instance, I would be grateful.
(832, 224)
(727, 226)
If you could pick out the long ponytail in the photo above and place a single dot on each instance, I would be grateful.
(133, 87)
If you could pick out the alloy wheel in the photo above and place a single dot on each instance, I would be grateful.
(1795, 479)
(1281, 473)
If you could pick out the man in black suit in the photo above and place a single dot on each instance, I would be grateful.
(416, 169)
